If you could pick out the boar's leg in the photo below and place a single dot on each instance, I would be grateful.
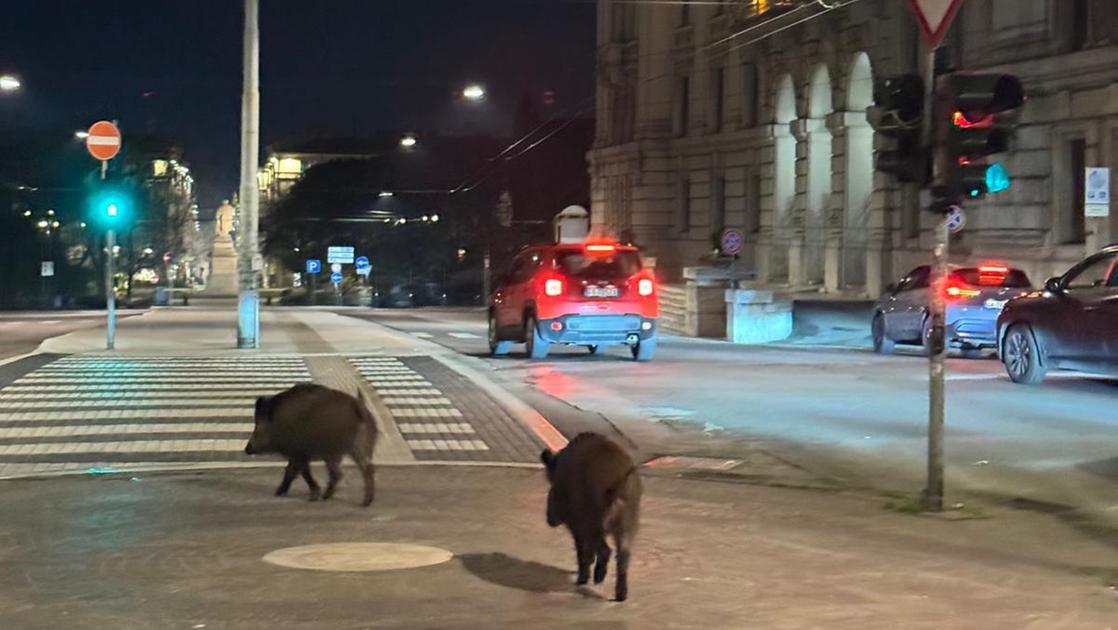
(305, 469)
(293, 468)
(584, 549)
(601, 563)
(621, 590)
(334, 470)
(364, 461)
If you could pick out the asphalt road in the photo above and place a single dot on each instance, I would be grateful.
(860, 414)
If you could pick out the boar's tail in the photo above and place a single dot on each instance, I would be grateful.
(621, 500)
(363, 409)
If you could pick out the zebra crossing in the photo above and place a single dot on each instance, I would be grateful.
(430, 423)
(101, 413)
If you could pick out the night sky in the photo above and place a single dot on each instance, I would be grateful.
(335, 67)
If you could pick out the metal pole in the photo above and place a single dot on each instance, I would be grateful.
(248, 303)
(110, 292)
(935, 343)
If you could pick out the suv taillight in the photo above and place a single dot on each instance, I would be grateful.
(955, 290)
(553, 287)
(645, 286)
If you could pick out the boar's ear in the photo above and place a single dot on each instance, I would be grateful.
(548, 459)
(264, 407)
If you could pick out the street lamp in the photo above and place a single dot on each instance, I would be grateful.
(473, 92)
(9, 83)
(81, 134)
(408, 141)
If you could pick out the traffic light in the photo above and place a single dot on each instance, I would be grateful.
(978, 112)
(110, 207)
(898, 113)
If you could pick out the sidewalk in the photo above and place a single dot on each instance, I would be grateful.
(185, 551)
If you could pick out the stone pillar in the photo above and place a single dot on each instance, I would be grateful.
(753, 316)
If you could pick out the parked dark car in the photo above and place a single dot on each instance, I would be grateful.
(1071, 324)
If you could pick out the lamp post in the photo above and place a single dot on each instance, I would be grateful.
(9, 83)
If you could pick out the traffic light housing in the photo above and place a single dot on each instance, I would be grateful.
(898, 113)
(977, 117)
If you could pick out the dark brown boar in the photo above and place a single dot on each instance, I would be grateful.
(595, 491)
(309, 422)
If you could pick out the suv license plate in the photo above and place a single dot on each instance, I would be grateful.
(601, 292)
(995, 305)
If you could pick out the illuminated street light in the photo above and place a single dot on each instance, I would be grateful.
(42, 224)
(54, 224)
(9, 83)
(473, 92)
(408, 141)
(83, 225)
(26, 213)
(50, 213)
(384, 194)
(434, 218)
(81, 134)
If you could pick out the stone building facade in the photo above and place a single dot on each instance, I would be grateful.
(751, 114)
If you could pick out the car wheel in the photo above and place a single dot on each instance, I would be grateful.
(497, 346)
(644, 349)
(534, 344)
(882, 344)
(592, 349)
(1021, 356)
(926, 331)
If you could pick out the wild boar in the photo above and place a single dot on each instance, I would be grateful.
(595, 491)
(309, 422)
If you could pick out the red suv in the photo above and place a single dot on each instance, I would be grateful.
(585, 294)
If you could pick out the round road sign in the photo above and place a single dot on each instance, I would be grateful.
(103, 141)
(336, 278)
(956, 219)
(731, 241)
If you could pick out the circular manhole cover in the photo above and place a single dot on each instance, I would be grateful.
(358, 557)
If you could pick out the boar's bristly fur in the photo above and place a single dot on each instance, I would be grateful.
(309, 422)
(596, 492)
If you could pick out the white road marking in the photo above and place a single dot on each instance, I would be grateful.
(127, 429)
(433, 412)
(415, 401)
(438, 427)
(464, 335)
(117, 414)
(423, 335)
(447, 445)
(140, 446)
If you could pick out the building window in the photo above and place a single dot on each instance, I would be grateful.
(682, 105)
(750, 95)
(1078, 26)
(1075, 228)
(683, 212)
(752, 202)
(685, 13)
(718, 204)
(717, 98)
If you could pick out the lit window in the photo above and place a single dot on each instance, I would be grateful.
(290, 166)
(159, 168)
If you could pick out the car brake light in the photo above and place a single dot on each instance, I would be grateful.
(600, 249)
(992, 275)
(645, 287)
(553, 287)
(956, 289)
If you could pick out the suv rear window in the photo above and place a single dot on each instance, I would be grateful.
(1012, 279)
(578, 264)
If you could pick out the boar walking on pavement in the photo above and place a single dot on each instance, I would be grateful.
(309, 422)
(596, 492)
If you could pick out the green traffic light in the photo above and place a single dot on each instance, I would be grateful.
(111, 210)
(111, 207)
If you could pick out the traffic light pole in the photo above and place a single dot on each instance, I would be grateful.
(248, 262)
(935, 341)
(110, 272)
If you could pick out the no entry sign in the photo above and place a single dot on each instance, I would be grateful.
(103, 141)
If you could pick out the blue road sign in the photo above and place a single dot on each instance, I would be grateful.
(336, 277)
(956, 219)
(314, 265)
(361, 262)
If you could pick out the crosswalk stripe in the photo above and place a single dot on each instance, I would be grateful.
(447, 445)
(141, 446)
(438, 427)
(65, 403)
(273, 387)
(433, 412)
(126, 429)
(407, 401)
(464, 335)
(156, 414)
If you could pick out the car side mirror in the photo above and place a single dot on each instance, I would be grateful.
(1054, 285)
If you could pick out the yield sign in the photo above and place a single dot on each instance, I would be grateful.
(103, 140)
(935, 18)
